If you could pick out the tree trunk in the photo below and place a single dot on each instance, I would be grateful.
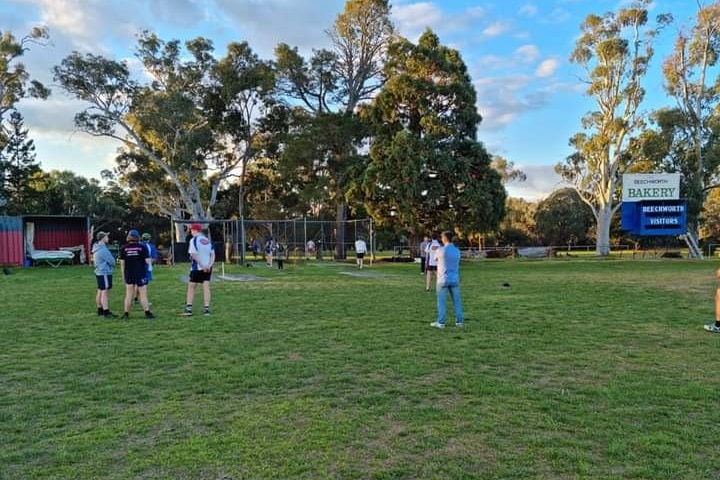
(340, 232)
(602, 248)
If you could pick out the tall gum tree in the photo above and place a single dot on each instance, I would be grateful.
(185, 132)
(614, 51)
(685, 139)
(332, 83)
(15, 81)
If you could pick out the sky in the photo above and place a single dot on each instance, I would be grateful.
(531, 98)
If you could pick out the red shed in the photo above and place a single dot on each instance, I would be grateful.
(11, 241)
(22, 236)
(56, 233)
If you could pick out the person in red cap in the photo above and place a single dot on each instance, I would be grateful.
(203, 257)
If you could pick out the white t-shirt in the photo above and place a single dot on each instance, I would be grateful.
(203, 248)
(431, 250)
(360, 246)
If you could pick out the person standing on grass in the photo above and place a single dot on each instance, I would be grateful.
(360, 251)
(203, 257)
(423, 256)
(104, 265)
(269, 250)
(448, 281)
(281, 253)
(134, 261)
(255, 248)
(153, 255)
(714, 327)
(431, 260)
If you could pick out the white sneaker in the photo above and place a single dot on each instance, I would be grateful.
(710, 327)
(437, 325)
(459, 324)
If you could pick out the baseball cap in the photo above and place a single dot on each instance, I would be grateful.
(100, 235)
(146, 236)
(196, 226)
(134, 233)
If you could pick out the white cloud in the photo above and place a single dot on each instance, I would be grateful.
(56, 114)
(502, 99)
(521, 57)
(86, 25)
(412, 19)
(527, 53)
(265, 23)
(541, 182)
(547, 68)
(495, 29)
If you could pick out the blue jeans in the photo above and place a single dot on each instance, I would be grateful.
(442, 291)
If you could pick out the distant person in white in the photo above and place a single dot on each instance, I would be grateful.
(431, 260)
(448, 281)
(360, 250)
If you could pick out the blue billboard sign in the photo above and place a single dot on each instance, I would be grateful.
(655, 217)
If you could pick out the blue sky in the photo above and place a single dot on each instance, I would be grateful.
(516, 51)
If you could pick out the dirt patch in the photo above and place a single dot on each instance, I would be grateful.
(241, 278)
(362, 274)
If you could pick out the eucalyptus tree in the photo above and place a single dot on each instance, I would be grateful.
(15, 81)
(427, 170)
(241, 96)
(186, 131)
(614, 51)
(685, 139)
(507, 170)
(330, 85)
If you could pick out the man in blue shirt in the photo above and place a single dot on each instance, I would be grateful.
(448, 280)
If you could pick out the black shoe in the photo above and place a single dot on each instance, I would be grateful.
(206, 312)
(149, 314)
(109, 314)
(125, 316)
(101, 311)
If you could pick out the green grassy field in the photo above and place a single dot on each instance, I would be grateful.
(579, 369)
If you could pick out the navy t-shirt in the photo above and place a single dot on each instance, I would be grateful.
(134, 255)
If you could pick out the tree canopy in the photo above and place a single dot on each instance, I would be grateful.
(427, 170)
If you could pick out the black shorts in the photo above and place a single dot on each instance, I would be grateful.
(140, 282)
(360, 254)
(199, 276)
(431, 268)
(104, 282)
